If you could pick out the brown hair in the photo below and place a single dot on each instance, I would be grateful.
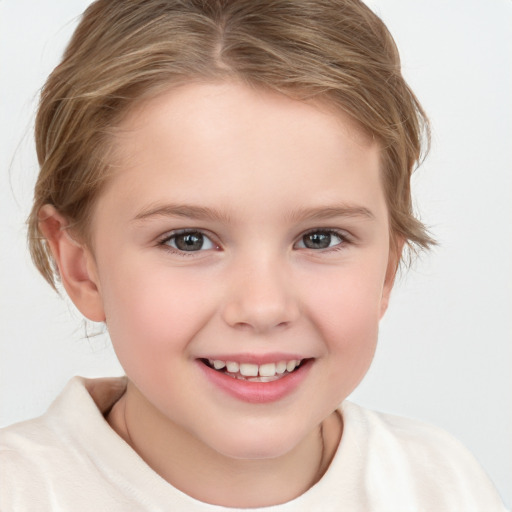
(127, 50)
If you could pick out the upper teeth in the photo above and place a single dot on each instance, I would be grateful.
(254, 370)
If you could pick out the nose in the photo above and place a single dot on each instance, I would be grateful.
(260, 297)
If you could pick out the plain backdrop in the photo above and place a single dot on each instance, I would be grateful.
(445, 348)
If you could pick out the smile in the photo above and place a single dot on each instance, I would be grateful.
(251, 372)
(249, 381)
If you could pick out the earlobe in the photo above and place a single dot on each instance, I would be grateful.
(75, 262)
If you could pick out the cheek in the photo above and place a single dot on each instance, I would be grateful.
(347, 318)
(346, 309)
(150, 314)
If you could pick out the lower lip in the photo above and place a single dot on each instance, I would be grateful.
(257, 392)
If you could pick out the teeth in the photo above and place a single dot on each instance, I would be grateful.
(291, 365)
(264, 379)
(262, 373)
(281, 367)
(267, 370)
(249, 370)
(232, 367)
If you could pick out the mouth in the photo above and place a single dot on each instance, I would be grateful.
(257, 380)
(251, 372)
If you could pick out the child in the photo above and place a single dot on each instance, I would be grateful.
(226, 185)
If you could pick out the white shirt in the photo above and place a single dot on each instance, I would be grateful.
(71, 460)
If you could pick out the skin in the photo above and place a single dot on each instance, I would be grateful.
(272, 169)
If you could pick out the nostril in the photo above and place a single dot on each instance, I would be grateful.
(242, 326)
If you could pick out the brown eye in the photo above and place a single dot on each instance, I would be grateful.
(320, 240)
(189, 241)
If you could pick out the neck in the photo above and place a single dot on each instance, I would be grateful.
(204, 474)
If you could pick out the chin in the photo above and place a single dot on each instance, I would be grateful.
(260, 452)
(257, 445)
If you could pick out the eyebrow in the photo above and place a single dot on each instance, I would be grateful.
(212, 214)
(329, 212)
(183, 210)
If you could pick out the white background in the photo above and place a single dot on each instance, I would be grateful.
(445, 348)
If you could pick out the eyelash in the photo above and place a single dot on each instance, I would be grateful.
(163, 243)
(344, 237)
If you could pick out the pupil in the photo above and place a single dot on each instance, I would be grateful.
(317, 240)
(189, 241)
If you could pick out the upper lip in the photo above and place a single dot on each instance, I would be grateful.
(258, 359)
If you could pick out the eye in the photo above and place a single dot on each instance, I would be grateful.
(188, 241)
(321, 239)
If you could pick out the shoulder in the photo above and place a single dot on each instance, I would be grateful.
(418, 461)
(41, 458)
(49, 434)
(405, 432)
(23, 445)
(31, 456)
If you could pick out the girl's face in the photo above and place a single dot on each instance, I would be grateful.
(245, 229)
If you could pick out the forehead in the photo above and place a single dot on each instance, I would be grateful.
(232, 141)
(211, 103)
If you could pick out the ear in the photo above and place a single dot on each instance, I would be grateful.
(396, 247)
(75, 262)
